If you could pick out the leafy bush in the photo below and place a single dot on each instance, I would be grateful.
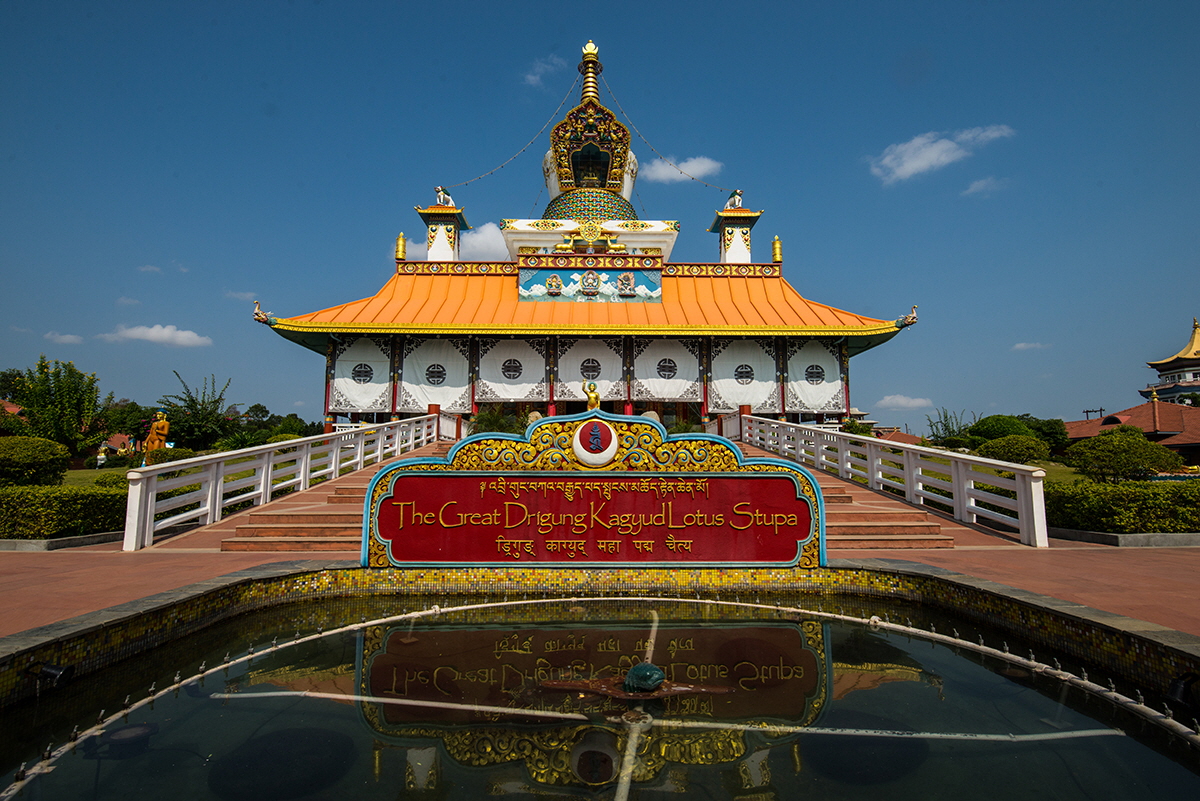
(37, 513)
(492, 419)
(855, 427)
(995, 426)
(241, 439)
(1131, 507)
(32, 460)
(1121, 454)
(1015, 448)
(281, 438)
(113, 461)
(954, 443)
(164, 455)
(112, 481)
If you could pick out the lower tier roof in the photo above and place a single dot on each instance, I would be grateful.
(489, 305)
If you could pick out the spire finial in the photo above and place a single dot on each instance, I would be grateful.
(589, 68)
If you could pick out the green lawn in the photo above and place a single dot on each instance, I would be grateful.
(86, 478)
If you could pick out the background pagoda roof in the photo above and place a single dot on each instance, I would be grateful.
(1189, 355)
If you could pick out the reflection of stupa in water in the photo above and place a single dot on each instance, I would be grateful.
(589, 294)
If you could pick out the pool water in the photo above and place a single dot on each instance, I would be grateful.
(509, 700)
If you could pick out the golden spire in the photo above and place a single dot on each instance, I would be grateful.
(589, 68)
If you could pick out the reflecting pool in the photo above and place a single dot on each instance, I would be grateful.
(532, 700)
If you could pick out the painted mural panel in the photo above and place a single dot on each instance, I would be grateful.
(362, 379)
(743, 374)
(597, 360)
(666, 369)
(815, 377)
(435, 371)
(511, 370)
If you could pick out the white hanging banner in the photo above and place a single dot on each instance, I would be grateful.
(815, 377)
(435, 371)
(597, 360)
(511, 370)
(666, 369)
(743, 374)
(362, 380)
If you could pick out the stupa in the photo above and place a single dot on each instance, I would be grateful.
(589, 294)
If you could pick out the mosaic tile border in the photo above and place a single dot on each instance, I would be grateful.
(1143, 653)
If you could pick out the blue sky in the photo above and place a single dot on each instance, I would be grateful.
(1026, 173)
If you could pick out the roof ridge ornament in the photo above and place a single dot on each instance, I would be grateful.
(589, 68)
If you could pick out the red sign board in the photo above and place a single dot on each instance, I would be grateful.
(613, 519)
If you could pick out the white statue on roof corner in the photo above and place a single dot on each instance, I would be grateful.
(443, 197)
(735, 200)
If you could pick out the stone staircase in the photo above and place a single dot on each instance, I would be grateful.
(329, 517)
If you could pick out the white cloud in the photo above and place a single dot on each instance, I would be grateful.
(659, 171)
(298, 403)
(1029, 346)
(124, 301)
(63, 339)
(984, 187)
(159, 334)
(20, 330)
(241, 295)
(903, 402)
(149, 268)
(932, 151)
(183, 269)
(543, 66)
(485, 243)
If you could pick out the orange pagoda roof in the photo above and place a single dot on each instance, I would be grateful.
(461, 298)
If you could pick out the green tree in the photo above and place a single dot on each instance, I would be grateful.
(10, 381)
(995, 426)
(63, 404)
(257, 418)
(1053, 431)
(1121, 454)
(129, 418)
(198, 420)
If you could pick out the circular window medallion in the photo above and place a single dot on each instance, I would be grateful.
(667, 368)
(814, 374)
(743, 373)
(594, 443)
(589, 369)
(362, 373)
(435, 374)
(511, 369)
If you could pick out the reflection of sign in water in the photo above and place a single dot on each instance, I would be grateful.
(667, 368)
(589, 369)
(773, 670)
(814, 374)
(743, 373)
(511, 368)
(362, 373)
(435, 374)
(591, 520)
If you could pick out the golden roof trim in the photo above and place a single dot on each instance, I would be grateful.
(631, 329)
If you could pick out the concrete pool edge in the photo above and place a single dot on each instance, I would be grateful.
(1147, 654)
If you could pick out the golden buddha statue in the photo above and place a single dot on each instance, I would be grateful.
(157, 438)
(593, 397)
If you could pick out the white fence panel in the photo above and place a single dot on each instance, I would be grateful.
(968, 486)
(155, 492)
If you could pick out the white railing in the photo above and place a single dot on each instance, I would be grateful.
(725, 425)
(204, 487)
(956, 482)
